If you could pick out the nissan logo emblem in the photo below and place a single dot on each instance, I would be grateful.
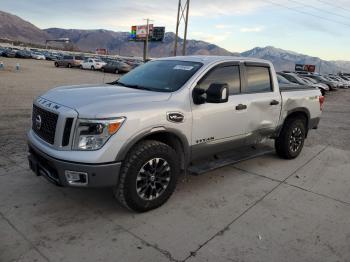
(38, 122)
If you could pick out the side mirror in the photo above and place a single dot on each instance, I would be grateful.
(217, 93)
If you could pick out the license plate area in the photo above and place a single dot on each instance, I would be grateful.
(42, 167)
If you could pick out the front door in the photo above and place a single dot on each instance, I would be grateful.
(219, 127)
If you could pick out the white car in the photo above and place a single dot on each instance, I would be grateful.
(38, 56)
(92, 63)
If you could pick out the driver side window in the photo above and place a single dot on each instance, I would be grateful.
(223, 74)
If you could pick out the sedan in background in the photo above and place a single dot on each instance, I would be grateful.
(23, 54)
(311, 82)
(9, 53)
(38, 56)
(331, 84)
(92, 63)
(116, 67)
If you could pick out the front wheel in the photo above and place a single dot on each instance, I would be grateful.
(56, 64)
(290, 141)
(92, 68)
(148, 176)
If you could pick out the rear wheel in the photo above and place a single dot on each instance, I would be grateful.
(116, 71)
(290, 142)
(69, 65)
(92, 68)
(81, 67)
(56, 64)
(148, 176)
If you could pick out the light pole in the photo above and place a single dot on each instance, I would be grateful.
(145, 46)
(181, 16)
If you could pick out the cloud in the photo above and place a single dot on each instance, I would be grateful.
(212, 38)
(223, 26)
(256, 29)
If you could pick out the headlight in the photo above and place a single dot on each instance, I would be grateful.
(93, 134)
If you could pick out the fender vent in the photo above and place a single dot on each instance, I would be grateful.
(66, 132)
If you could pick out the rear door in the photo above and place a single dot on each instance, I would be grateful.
(262, 98)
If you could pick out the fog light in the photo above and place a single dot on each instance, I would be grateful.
(76, 178)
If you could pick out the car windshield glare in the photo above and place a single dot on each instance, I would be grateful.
(161, 75)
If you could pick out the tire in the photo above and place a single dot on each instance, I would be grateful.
(290, 141)
(135, 189)
(116, 71)
(56, 64)
(81, 67)
(323, 92)
(69, 66)
(92, 68)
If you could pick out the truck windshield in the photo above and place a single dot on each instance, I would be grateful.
(160, 75)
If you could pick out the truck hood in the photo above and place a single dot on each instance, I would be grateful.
(96, 101)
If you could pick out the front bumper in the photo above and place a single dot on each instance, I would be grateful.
(54, 170)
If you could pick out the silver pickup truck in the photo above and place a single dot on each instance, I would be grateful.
(138, 133)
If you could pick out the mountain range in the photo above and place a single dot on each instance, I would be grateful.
(13, 27)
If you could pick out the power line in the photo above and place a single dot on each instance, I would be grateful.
(307, 13)
(333, 5)
(319, 9)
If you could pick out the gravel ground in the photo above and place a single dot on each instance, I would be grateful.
(263, 209)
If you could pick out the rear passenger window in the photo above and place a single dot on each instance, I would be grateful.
(258, 79)
(223, 74)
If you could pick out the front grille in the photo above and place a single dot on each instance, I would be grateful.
(47, 128)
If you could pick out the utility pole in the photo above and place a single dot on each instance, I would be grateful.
(145, 46)
(182, 16)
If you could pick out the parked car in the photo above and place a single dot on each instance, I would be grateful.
(284, 83)
(331, 84)
(38, 56)
(69, 61)
(116, 67)
(8, 52)
(92, 63)
(23, 54)
(136, 134)
(342, 83)
(320, 85)
(51, 56)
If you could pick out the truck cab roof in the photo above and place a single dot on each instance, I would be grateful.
(212, 59)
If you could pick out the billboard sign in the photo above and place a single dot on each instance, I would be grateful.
(305, 68)
(139, 33)
(101, 51)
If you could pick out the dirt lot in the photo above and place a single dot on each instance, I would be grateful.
(264, 209)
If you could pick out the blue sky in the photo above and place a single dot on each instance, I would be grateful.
(315, 27)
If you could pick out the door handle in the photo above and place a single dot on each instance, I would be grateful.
(274, 103)
(241, 107)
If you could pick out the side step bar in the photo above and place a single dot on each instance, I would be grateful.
(229, 158)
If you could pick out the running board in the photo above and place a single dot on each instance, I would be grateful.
(229, 158)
